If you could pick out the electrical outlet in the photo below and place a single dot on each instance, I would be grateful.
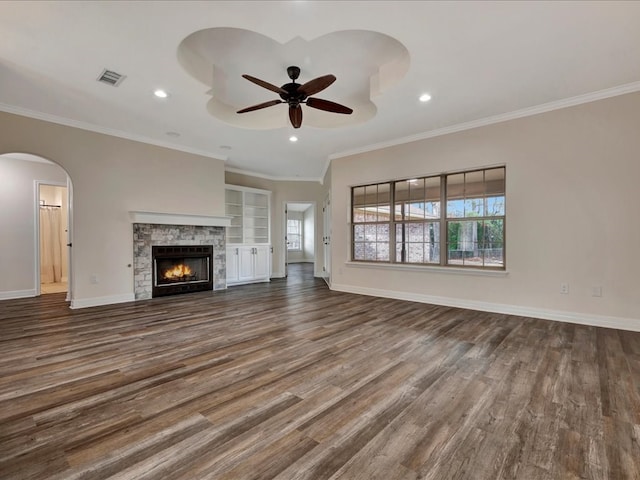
(596, 291)
(94, 278)
(564, 288)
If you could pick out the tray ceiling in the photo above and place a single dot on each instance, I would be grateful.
(480, 61)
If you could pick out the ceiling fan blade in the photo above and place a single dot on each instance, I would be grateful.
(316, 85)
(267, 85)
(295, 115)
(270, 103)
(328, 106)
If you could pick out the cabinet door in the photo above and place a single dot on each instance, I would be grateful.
(233, 265)
(262, 261)
(247, 264)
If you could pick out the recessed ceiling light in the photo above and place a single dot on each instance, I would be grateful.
(425, 97)
(161, 93)
(293, 138)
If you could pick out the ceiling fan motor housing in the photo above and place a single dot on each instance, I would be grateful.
(293, 72)
(292, 97)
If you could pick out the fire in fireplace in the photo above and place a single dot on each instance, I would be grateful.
(181, 269)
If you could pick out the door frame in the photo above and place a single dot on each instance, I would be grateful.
(285, 256)
(37, 276)
(326, 239)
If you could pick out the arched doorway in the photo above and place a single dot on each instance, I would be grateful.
(37, 218)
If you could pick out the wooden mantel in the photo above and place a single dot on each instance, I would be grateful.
(179, 219)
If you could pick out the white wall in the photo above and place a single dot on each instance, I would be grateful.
(572, 214)
(18, 222)
(111, 177)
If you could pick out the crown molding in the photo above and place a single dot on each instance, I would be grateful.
(526, 112)
(504, 117)
(105, 131)
(325, 169)
(271, 177)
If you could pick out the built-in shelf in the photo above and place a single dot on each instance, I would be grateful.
(249, 210)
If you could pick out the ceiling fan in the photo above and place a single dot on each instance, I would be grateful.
(295, 94)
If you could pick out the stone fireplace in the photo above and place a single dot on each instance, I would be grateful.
(146, 236)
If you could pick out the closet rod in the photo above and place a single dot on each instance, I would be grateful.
(46, 205)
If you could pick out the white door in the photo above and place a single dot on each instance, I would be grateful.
(326, 238)
(261, 262)
(247, 264)
(233, 265)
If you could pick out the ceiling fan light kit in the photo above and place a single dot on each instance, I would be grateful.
(295, 94)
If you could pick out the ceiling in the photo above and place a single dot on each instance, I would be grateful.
(481, 62)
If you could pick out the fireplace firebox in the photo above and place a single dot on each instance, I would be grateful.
(181, 269)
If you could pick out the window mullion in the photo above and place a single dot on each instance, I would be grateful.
(392, 222)
(444, 247)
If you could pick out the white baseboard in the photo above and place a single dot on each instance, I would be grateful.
(17, 294)
(97, 301)
(620, 323)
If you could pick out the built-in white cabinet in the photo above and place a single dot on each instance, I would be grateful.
(248, 237)
(248, 264)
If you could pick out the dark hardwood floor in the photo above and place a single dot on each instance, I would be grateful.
(289, 380)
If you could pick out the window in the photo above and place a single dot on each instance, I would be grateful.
(294, 234)
(464, 212)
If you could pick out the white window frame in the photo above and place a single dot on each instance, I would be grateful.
(299, 235)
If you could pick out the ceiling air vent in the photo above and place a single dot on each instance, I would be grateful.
(111, 78)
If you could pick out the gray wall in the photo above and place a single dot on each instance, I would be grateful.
(111, 177)
(572, 215)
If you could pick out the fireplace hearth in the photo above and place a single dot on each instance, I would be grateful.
(181, 269)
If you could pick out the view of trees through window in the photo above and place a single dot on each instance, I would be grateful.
(463, 211)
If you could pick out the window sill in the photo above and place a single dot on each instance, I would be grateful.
(429, 268)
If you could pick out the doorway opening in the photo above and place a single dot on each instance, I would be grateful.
(23, 201)
(299, 235)
(53, 228)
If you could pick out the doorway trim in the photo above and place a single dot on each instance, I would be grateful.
(36, 245)
(285, 256)
(326, 239)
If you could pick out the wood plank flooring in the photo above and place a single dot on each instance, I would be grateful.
(289, 380)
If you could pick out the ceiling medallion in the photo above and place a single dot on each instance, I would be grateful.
(220, 57)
